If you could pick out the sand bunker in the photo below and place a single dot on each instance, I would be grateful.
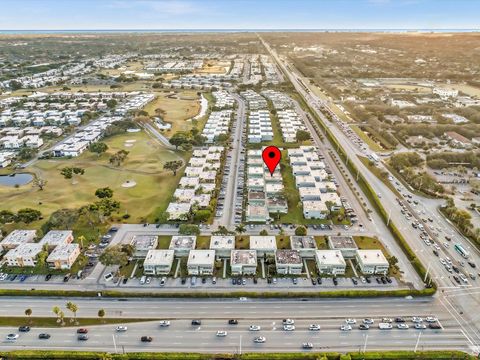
(129, 184)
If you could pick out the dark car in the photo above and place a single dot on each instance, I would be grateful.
(48, 277)
(82, 331)
(388, 280)
(455, 277)
(335, 281)
(183, 281)
(269, 280)
(383, 280)
(66, 277)
(83, 337)
(234, 281)
(13, 277)
(124, 281)
(355, 282)
(146, 339)
(24, 328)
(204, 280)
(255, 280)
(44, 336)
(363, 327)
(435, 252)
(314, 282)
(233, 322)
(472, 264)
(399, 320)
(434, 326)
(378, 280)
(368, 280)
(196, 322)
(113, 229)
(455, 269)
(319, 281)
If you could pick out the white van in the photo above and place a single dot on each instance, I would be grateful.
(143, 279)
(385, 326)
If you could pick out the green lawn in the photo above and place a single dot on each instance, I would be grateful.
(321, 242)
(144, 165)
(52, 321)
(164, 241)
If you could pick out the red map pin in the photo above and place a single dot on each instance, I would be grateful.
(271, 157)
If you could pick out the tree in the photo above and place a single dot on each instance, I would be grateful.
(28, 312)
(6, 216)
(28, 215)
(111, 103)
(98, 148)
(202, 215)
(67, 172)
(101, 313)
(188, 229)
(56, 310)
(301, 231)
(74, 309)
(302, 135)
(178, 139)
(61, 316)
(26, 153)
(114, 255)
(103, 193)
(173, 166)
(240, 228)
(119, 157)
(39, 183)
(264, 232)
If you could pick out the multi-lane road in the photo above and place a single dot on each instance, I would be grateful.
(214, 315)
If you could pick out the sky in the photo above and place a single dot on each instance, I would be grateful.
(238, 14)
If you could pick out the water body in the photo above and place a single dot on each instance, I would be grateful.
(15, 179)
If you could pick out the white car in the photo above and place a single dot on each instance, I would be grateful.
(314, 327)
(11, 337)
(289, 327)
(436, 246)
(431, 319)
(417, 319)
(402, 326)
(368, 321)
(148, 280)
(121, 328)
(288, 321)
(259, 339)
(351, 321)
(164, 323)
(442, 261)
(448, 260)
(387, 320)
(345, 327)
(221, 333)
(420, 326)
(447, 245)
(254, 328)
(3, 277)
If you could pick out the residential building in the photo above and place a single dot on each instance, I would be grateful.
(264, 245)
(345, 244)
(201, 262)
(182, 244)
(158, 262)
(55, 238)
(243, 262)
(63, 256)
(330, 262)
(305, 245)
(143, 244)
(372, 262)
(223, 245)
(288, 262)
(23, 255)
(16, 238)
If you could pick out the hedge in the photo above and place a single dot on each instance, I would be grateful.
(86, 355)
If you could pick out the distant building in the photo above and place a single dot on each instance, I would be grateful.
(201, 262)
(23, 255)
(330, 262)
(17, 237)
(458, 140)
(305, 245)
(288, 262)
(63, 256)
(57, 237)
(345, 244)
(243, 262)
(182, 244)
(158, 262)
(263, 244)
(143, 244)
(372, 262)
(223, 245)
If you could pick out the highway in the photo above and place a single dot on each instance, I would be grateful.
(466, 305)
(182, 336)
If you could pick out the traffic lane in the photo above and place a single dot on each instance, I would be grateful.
(181, 336)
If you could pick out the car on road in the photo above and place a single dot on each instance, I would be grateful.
(314, 327)
(385, 326)
(11, 337)
(420, 326)
(44, 336)
(350, 321)
(368, 321)
(48, 277)
(121, 328)
(431, 319)
(399, 320)
(417, 319)
(166, 323)
(288, 322)
(289, 327)
(162, 281)
(254, 328)
(196, 322)
(232, 322)
(402, 326)
(82, 331)
(82, 337)
(364, 326)
(221, 333)
(472, 264)
(346, 327)
(259, 339)
(146, 339)
(435, 325)
(24, 328)
(307, 345)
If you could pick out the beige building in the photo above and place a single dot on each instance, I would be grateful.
(158, 262)
(57, 237)
(143, 244)
(223, 245)
(182, 244)
(23, 255)
(372, 262)
(345, 244)
(330, 262)
(201, 262)
(17, 237)
(63, 256)
(263, 244)
(305, 245)
(243, 262)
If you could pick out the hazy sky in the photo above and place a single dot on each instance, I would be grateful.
(239, 14)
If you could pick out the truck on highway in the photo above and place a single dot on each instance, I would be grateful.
(461, 250)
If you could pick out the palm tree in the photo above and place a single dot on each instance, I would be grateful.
(61, 315)
(28, 312)
(56, 311)
(240, 228)
(73, 308)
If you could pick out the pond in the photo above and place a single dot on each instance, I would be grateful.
(14, 179)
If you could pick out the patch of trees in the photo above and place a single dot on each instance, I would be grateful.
(189, 229)
(302, 135)
(185, 140)
(26, 216)
(173, 166)
(118, 158)
(403, 160)
(61, 219)
(117, 255)
(436, 130)
(462, 219)
(469, 159)
(26, 153)
(98, 147)
(119, 127)
(68, 172)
